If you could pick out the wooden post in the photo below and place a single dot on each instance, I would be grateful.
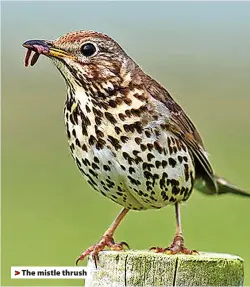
(144, 268)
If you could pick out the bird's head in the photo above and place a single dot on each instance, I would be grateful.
(84, 57)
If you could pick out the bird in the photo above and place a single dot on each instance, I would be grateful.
(129, 138)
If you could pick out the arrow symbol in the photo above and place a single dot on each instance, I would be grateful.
(17, 272)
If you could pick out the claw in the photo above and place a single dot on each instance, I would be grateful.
(157, 249)
(96, 248)
(176, 247)
(85, 254)
(182, 250)
(171, 250)
(123, 244)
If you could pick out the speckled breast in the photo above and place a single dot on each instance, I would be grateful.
(137, 166)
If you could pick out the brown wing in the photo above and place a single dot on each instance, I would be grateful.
(180, 125)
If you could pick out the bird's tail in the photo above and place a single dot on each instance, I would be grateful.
(222, 186)
(225, 186)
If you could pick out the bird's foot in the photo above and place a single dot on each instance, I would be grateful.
(107, 240)
(176, 247)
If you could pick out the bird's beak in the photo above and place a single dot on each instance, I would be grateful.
(45, 48)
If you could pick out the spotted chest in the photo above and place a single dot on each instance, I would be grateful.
(137, 165)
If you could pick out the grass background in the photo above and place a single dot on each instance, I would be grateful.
(199, 51)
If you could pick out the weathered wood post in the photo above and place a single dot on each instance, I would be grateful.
(143, 268)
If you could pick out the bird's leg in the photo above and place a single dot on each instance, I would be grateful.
(178, 243)
(106, 240)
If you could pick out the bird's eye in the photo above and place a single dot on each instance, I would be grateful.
(88, 49)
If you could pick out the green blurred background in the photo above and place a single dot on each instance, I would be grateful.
(199, 51)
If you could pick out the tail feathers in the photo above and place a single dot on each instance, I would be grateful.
(226, 187)
(222, 186)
